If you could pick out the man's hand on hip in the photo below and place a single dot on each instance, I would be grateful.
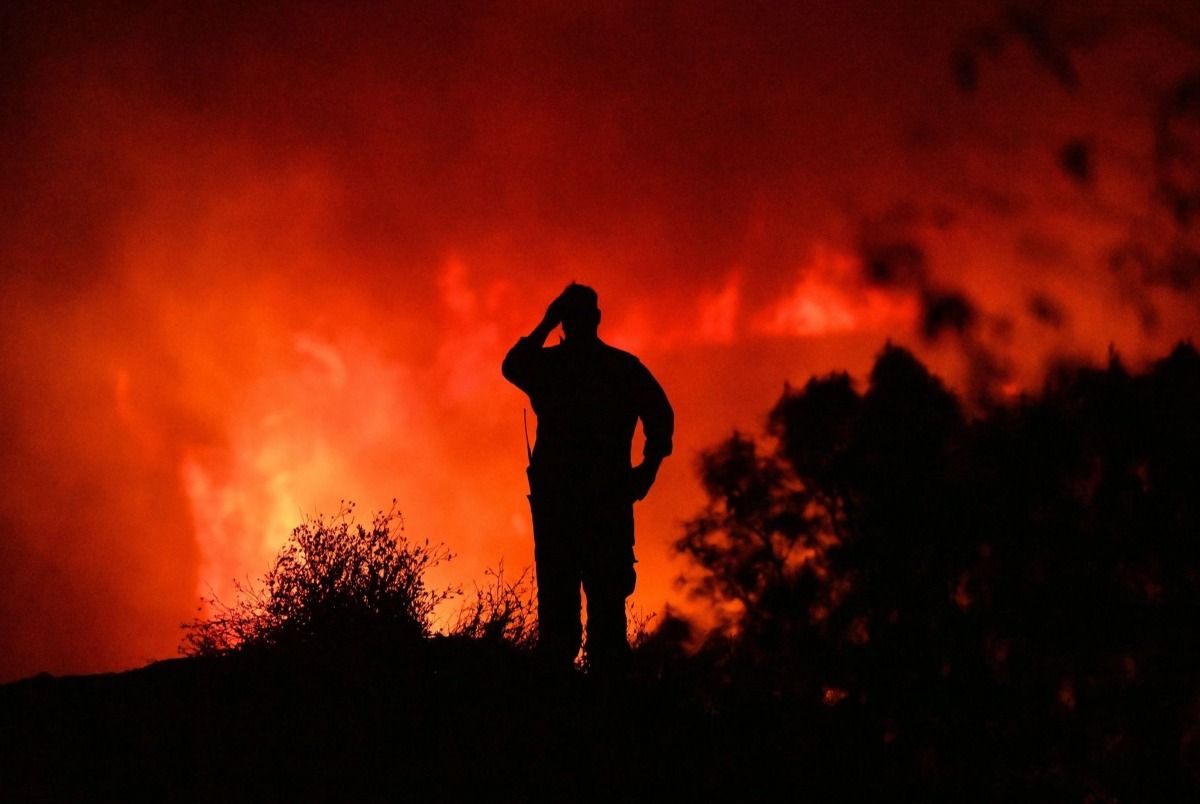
(642, 478)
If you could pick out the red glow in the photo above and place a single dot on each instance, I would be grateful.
(829, 298)
(258, 264)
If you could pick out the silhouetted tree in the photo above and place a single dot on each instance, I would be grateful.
(988, 606)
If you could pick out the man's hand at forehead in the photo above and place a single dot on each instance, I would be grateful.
(558, 307)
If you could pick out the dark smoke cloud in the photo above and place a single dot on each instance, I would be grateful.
(946, 311)
(1075, 159)
(946, 314)
(1047, 310)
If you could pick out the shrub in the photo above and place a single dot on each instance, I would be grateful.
(333, 580)
(502, 610)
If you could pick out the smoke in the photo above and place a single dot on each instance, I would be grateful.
(261, 259)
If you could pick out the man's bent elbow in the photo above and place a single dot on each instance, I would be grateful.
(658, 444)
(511, 366)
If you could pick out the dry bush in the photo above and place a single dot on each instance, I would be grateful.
(334, 579)
(502, 610)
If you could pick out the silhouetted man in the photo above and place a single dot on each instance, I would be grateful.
(588, 398)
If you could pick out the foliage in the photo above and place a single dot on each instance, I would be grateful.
(506, 611)
(501, 611)
(985, 606)
(640, 625)
(334, 579)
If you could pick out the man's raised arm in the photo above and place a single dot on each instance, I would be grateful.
(520, 365)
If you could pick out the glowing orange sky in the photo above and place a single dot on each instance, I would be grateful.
(256, 261)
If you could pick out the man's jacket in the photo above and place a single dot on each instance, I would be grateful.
(588, 398)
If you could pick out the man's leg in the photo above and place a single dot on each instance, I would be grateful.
(558, 581)
(607, 583)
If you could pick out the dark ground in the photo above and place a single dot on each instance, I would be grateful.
(445, 719)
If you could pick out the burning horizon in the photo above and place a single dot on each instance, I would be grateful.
(257, 263)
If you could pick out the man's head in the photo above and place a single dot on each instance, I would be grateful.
(580, 310)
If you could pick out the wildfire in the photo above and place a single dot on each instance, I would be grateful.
(829, 297)
(252, 272)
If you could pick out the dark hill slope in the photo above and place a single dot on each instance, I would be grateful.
(443, 719)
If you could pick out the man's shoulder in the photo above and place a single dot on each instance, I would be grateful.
(621, 358)
(614, 353)
(600, 355)
(601, 349)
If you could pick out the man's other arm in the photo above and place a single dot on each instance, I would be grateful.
(658, 425)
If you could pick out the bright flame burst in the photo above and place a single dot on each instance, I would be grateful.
(327, 421)
(830, 298)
